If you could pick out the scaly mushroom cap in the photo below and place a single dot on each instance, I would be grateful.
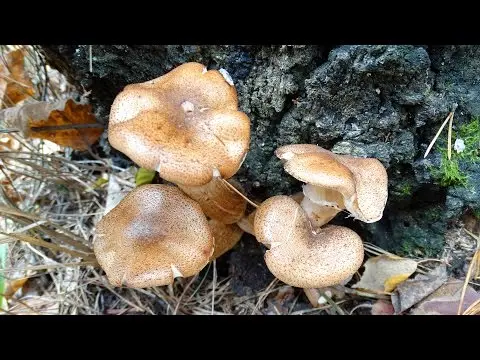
(363, 182)
(300, 257)
(156, 233)
(184, 124)
(225, 235)
(218, 200)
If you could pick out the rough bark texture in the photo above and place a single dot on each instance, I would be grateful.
(378, 101)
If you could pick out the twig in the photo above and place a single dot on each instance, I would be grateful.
(449, 149)
(467, 279)
(239, 193)
(90, 58)
(66, 127)
(437, 135)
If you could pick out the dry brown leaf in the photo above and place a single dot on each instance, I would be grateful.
(3, 83)
(63, 122)
(383, 273)
(445, 300)
(18, 117)
(73, 114)
(414, 290)
(14, 285)
(19, 84)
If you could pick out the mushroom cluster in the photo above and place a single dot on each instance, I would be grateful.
(302, 251)
(186, 126)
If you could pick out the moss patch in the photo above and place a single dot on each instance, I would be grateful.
(450, 173)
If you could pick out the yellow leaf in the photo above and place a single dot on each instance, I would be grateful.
(383, 273)
(392, 282)
(144, 176)
(75, 126)
(99, 182)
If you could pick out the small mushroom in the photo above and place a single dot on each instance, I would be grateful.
(218, 200)
(246, 222)
(226, 236)
(184, 124)
(300, 256)
(155, 234)
(359, 185)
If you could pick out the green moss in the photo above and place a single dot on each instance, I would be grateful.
(406, 189)
(470, 133)
(449, 172)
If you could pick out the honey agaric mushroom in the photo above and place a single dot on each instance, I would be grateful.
(300, 256)
(156, 233)
(246, 223)
(217, 200)
(184, 124)
(225, 235)
(362, 182)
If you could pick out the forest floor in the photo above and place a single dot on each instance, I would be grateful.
(52, 197)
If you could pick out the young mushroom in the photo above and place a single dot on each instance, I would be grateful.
(359, 185)
(184, 124)
(155, 234)
(299, 255)
(246, 223)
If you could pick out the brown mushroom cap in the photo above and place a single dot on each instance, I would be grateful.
(225, 235)
(218, 200)
(184, 124)
(300, 257)
(363, 182)
(153, 235)
(246, 223)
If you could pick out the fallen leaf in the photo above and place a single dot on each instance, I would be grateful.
(415, 290)
(446, 299)
(13, 286)
(74, 114)
(144, 176)
(63, 122)
(383, 273)
(19, 85)
(100, 182)
(3, 83)
(382, 307)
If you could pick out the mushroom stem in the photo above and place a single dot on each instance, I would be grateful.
(239, 193)
(313, 296)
